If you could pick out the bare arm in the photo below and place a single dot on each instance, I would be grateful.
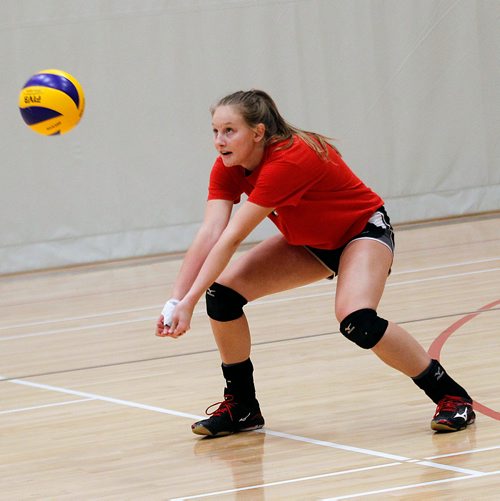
(244, 221)
(217, 214)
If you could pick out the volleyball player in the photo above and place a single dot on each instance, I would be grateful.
(330, 224)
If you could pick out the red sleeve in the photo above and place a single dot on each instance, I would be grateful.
(223, 183)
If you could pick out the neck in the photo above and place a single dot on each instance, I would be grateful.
(255, 160)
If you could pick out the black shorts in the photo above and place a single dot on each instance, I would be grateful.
(378, 228)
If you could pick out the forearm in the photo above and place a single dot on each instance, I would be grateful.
(192, 263)
(190, 268)
(177, 314)
(214, 264)
(243, 222)
(217, 213)
(211, 266)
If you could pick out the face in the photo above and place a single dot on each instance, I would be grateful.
(237, 142)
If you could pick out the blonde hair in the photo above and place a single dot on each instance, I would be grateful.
(256, 106)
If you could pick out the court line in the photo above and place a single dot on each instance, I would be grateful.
(461, 453)
(77, 328)
(438, 343)
(198, 310)
(333, 445)
(212, 350)
(399, 459)
(36, 407)
(82, 317)
(315, 284)
(411, 486)
(94, 396)
(444, 266)
(333, 474)
(455, 469)
(283, 482)
(470, 473)
(369, 452)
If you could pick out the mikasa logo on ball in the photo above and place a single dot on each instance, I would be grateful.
(36, 98)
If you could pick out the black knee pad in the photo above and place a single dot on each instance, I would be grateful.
(364, 327)
(223, 303)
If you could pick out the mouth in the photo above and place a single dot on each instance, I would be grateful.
(226, 155)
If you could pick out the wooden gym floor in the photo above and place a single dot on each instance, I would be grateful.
(94, 406)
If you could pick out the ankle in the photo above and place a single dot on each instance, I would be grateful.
(239, 381)
(436, 383)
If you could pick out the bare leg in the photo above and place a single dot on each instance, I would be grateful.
(233, 340)
(362, 275)
(402, 351)
(270, 267)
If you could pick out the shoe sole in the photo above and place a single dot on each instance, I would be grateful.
(447, 428)
(202, 430)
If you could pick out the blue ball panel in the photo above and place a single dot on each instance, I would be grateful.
(34, 114)
(56, 82)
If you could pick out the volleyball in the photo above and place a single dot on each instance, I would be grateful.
(52, 102)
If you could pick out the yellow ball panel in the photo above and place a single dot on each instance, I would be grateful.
(74, 81)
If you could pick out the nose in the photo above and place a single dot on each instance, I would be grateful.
(219, 139)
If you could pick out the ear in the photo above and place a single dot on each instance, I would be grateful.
(259, 132)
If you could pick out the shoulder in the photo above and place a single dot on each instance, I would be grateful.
(297, 153)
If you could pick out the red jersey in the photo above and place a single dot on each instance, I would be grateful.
(317, 202)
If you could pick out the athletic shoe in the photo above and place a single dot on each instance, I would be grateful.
(230, 417)
(453, 414)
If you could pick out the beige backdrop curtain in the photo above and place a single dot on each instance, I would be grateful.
(410, 89)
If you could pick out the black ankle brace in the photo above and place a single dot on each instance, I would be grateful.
(436, 383)
(239, 380)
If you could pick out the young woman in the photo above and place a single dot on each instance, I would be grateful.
(330, 224)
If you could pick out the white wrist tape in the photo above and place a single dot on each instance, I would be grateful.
(168, 311)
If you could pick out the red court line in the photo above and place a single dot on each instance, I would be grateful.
(436, 346)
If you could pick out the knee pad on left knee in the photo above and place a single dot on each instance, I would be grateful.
(364, 327)
(223, 303)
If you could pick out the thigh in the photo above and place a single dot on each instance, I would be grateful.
(363, 270)
(272, 266)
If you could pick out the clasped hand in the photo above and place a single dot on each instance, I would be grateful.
(180, 313)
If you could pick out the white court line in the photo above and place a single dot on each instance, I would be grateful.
(402, 460)
(36, 407)
(333, 445)
(90, 396)
(412, 486)
(443, 277)
(77, 328)
(288, 436)
(444, 266)
(390, 284)
(94, 396)
(199, 311)
(369, 452)
(82, 317)
(455, 469)
(461, 453)
(158, 307)
(283, 482)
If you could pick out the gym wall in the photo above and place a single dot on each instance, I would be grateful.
(409, 89)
